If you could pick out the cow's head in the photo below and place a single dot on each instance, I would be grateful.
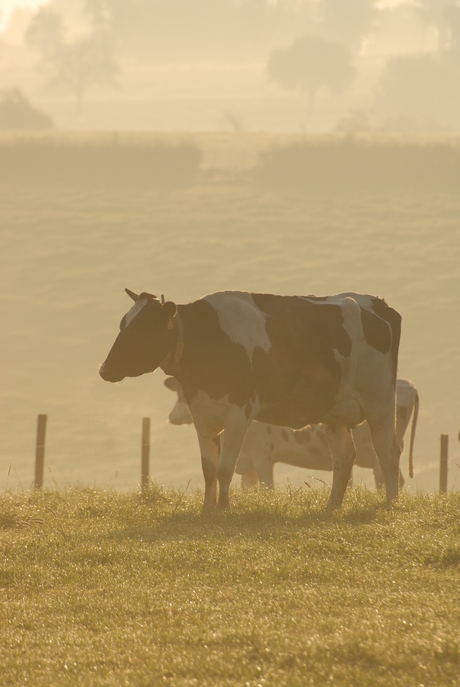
(145, 339)
(180, 414)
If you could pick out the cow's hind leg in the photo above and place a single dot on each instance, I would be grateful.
(378, 474)
(380, 479)
(388, 451)
(342, 447)
(209, 455)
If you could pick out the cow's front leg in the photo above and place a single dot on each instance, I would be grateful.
(209, 454)
(341, 444)
(235, 431)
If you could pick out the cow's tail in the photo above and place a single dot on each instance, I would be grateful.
(412, 436)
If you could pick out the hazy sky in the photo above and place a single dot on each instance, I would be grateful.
(7, 6)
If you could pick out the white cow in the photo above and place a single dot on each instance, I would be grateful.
(266, 445)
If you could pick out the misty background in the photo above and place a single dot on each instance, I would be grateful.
(188, 146)
(234, 65)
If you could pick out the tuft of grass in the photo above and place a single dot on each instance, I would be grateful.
(103, 588)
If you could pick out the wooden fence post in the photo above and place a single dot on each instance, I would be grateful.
(40, 451)
(443, 464)
(145, 470)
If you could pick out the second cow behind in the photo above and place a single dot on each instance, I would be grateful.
(266, 445)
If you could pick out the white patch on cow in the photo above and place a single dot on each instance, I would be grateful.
(135, 310)
(211, 416)
(208, 414)
(180, 414)
(241, 319)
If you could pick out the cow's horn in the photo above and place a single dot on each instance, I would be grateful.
(162, 299)
(132, 295)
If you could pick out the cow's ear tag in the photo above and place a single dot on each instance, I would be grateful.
(170, 323)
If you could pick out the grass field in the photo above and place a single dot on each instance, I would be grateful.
(101, 588)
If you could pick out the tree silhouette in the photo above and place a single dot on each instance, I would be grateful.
(423, 90)
(438, 14)
(311, 64)
(45, 33)
(79, 65)
(187, 30)
(347, 22)
(16, 112)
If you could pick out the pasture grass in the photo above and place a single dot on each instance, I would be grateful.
(103, 588)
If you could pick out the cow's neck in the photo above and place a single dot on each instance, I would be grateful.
(171, 364)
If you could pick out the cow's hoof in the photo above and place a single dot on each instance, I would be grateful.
(223, 503)
(209, 507)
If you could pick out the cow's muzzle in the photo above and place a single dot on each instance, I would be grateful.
(109, 375)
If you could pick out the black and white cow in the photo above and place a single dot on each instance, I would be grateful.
(265, 445)
(283, 360)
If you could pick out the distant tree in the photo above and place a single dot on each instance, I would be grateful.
(17, 113)
(46, 33)
(187, 30)
(437, 14)
(453, 16)
(84, 63)
(348, 22)
(79, 65)
(311, 64)
(422, 89)
(100, 13)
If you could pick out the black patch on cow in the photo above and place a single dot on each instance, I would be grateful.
(284, 435)
(171, 384)
(315, 451)
(402, 412)
(269, 429)
(211, 362)
(248, 410)
(376, 331)
(299, 376)
(394, 320)
(272, 446)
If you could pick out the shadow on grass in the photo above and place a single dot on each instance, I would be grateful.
(264, 517)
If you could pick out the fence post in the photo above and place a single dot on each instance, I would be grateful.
(443, 464)
(145, 453)
(40, 451)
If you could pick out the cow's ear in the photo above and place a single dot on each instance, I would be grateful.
(132, 295)
(171, 383)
